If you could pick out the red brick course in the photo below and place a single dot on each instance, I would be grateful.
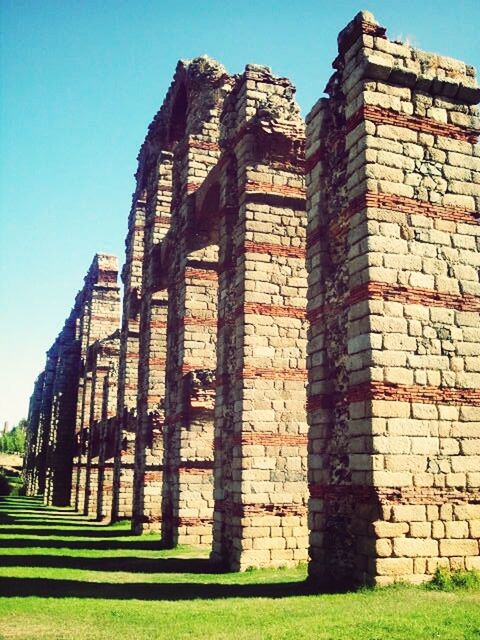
(398, 293)
(395, 495)
(406, 205)
(422, 124)
(271, 439)
(273, 249)
(374, 390)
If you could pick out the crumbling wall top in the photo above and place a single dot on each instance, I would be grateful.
(198, 87)
(367, 53)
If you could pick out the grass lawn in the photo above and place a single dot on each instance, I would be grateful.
(65, 577)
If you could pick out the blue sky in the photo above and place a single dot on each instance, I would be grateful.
(81, 80)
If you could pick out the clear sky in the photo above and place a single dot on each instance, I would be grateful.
(81, 80)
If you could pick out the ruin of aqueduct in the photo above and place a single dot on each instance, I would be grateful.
(262, 252)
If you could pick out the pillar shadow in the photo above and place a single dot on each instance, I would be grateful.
(133, 564)
(51, 531)
(112, 564)
(107, 545)
(46, 588)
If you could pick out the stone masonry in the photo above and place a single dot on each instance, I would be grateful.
(128, 364)
(156, 167)
(57, 403)
(99, 317)
(393, 200)
(296, 375)
(107, 436)
(103, 356)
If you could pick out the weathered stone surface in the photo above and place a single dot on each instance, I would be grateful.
(390, 298)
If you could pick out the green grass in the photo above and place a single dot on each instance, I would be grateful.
(65, 577)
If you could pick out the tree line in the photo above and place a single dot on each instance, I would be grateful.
(13, 441)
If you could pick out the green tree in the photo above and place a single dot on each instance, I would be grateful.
(14, 440)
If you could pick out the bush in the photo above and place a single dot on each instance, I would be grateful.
(5, 487)
(17, 488)
(22, 490)
(446, 580)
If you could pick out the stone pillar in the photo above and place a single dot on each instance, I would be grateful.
(83, 396)
(189, 260)
(107, 431)
(128, 366)
(393, 304)
(83, 441)
(102, 353)
(187, 506)
(98, 374)
(261, 431)
(30, 464)
(148, 478)
(98, 318)
(188, 490)
(62, 432)
(43, 434)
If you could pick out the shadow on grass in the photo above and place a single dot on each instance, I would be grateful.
(129, 564)
(34, 505)
(23, 499)
(77, 533)
(37, 520)
(57, 588)
(109, 545)
(42, 521)
(47, 515)
(15, 502)
(44, 588)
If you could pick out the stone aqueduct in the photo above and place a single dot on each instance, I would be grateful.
(261, 252)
